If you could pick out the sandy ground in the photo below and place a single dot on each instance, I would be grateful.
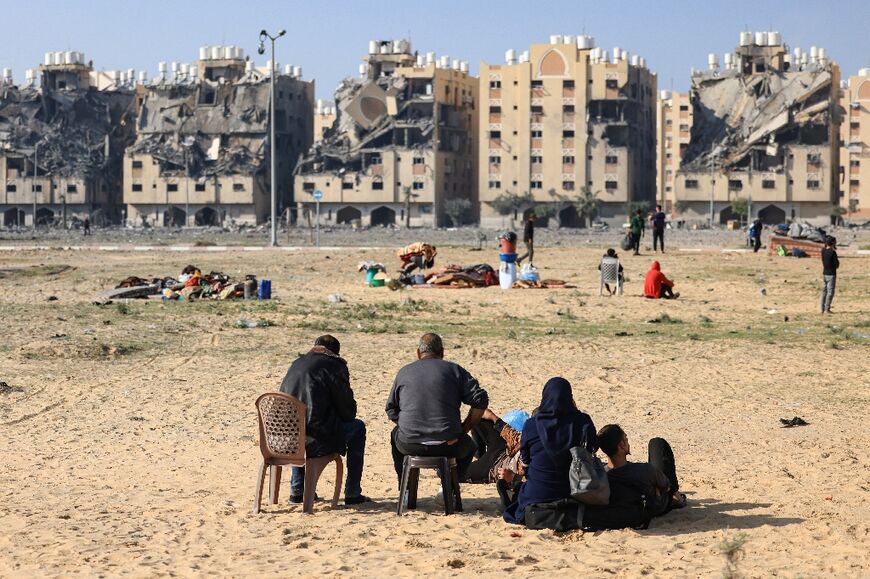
(128, 431)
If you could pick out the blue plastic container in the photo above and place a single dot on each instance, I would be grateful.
(265, 289)
(507, 257)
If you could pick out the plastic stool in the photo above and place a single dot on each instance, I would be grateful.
(448, 472)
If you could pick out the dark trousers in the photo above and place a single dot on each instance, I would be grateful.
(490, 448)
(462, 450)
(416, 262)
(667, 293)
(635, 242)
(355, 438)
(658, 237)
(756, 243)
(661, 456)
(530, 252)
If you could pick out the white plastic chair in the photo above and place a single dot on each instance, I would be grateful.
(610, 274)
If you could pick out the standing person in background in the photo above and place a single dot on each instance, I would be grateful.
(529, 239)
(658, 227)
(830, 264)
(87, 225)
(637, 228)
(755, 235)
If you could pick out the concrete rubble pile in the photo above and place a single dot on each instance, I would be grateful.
(365, 123)
(79, 134)
(222, 138)
(735, 114)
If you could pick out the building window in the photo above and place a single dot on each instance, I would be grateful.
(238, 187)
(495, 184)
(812, 184)
(684, 127)
(495, 134)
(537, 134)
(537, 159)
(568, 160)
(611, 83)
(567, 84)
(568, 109)
(611, 185)
(691, 183)
(495, 84)
(813, 159)
(684, 107)
(199, 187)
(375, 160)
(36, 188)
(137, 187)
(568, 185)
(308, 187)
(495, 110)
(376, 185)
(855, 163)
(669, 122)
(171, 187)
(536, 109)
(536, 185)
(611, 159)
(668, 188)
(345, 185)
(735, 185)
(495, 160)
(567, 134)
(768, 184)
(417, 186)
(537, 84)
(137, 164)
(419, 160)
(11, 187)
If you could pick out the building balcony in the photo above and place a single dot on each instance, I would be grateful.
(537, 143)
(568, 144)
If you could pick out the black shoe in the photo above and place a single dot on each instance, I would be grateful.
(357, 500)
(297, 499)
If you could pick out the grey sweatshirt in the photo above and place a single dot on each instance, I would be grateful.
(426, 398)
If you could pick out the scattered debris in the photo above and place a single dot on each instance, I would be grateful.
(335, 298)
(7, 389)
(796, 421)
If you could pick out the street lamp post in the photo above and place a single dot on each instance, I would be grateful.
(272, 144)
(187, 143)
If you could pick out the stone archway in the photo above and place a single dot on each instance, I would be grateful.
(772, 215)
(205, 217)
(553, 63)
(727, 214)
(383, 216)
(44, 216)
(13, 217)
(347, 215)
(568, 217)
(174, 217)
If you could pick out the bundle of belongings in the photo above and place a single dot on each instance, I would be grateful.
(480, 275)
(191, 284)
(806, 231)
(541, 284)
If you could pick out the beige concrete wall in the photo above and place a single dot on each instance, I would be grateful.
(855, 145)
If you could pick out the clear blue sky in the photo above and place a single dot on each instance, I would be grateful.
(328, 37)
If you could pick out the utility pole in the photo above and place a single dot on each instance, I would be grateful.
(712, 186)
(35, 161)
(272, 144)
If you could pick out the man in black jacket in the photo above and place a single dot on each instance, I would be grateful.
(830, 263)
(320, 380)
(424, 403)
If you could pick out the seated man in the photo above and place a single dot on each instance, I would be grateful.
(657, 286)
(638, 490)
(321, 381)
(611, 253)
(424, 403)
(418, 255)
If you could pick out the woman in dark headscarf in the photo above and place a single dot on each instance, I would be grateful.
(547, 439)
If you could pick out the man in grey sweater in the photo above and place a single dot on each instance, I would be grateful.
(424, 404)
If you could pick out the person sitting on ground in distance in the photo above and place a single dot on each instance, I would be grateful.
(420, 255)
(638, 490)
(545, 446)
(498, 446)
(612, 254)
(321, 381)
(424, 403)
(657, 286)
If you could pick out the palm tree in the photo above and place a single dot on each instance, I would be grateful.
(586, 203)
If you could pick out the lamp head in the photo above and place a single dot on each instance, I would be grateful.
(261, 49)
(282, 33)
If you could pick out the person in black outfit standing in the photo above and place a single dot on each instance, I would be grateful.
(755, 235)
(321, 381)
(529, 239)
(424, 404)
(658, 227)
(830, 264)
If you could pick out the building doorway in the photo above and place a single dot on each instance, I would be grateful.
(13, 217)
(568, 217)
(772, 215)
(174, 217)
(205, 217)
(383, 216)
(44, 216)
(348, 215)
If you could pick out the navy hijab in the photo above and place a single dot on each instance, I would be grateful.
(560, 424)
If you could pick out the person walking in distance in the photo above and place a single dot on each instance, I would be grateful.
(637, 228)
(529, 239)
(87, 225)
(830, 264)
(755, 235)
(658, 227)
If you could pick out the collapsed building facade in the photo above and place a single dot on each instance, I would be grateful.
(202, 154)
(402, 145)
(563, 117)
(764, 127)
(61, 144)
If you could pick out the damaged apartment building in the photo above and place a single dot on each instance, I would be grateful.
(764, 127)
(202, 154)
(402, 145)
(563, 119)
(61, 144)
